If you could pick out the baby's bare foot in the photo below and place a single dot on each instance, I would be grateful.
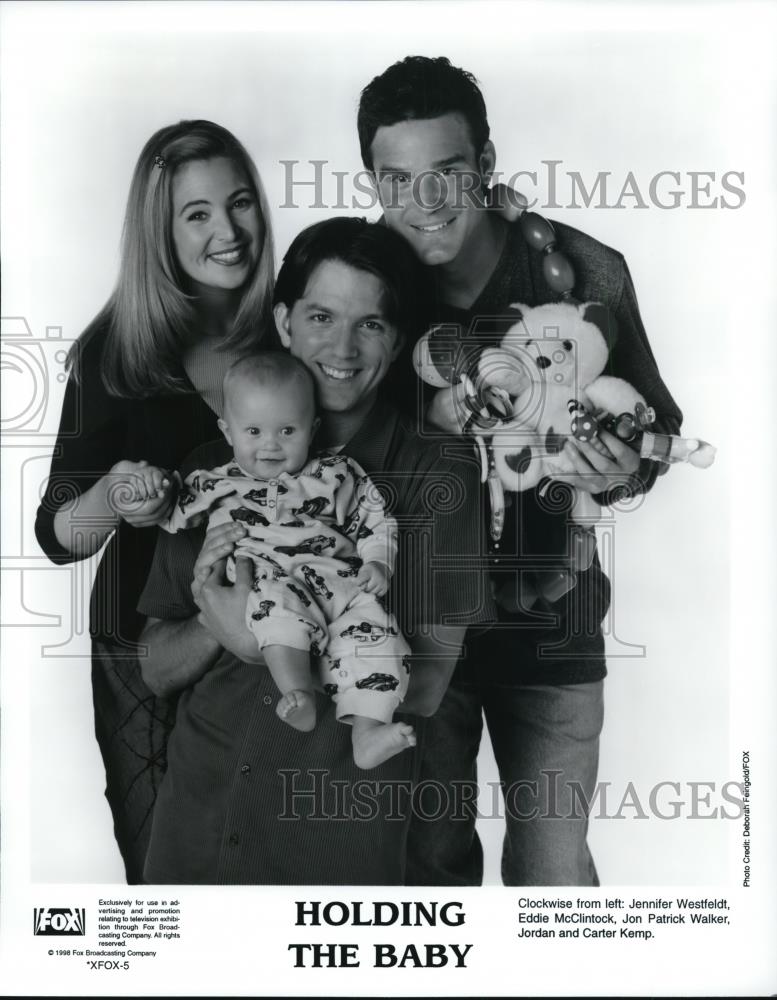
(375, 745)
(298, 709)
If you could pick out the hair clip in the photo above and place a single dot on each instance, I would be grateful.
(160, 161)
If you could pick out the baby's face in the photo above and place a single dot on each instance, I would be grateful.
(270, 428)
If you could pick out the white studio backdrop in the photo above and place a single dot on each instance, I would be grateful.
(641, 91)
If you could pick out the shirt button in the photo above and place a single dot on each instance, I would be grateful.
(343, 673)
(270, 503)
(234, 839)
(245, 769)
(267, 700)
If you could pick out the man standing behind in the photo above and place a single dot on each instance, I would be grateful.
(538, 675)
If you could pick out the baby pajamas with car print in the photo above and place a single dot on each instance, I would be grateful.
(308, 534)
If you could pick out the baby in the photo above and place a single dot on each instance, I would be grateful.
(323, 551)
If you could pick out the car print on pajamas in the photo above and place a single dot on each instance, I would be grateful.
(208, 485)
(263, 610)
(185, 497)
(378, 682)
(311, 507)
(369, 494)
(260, 496)
(354, 565)
(277, 571)
(328, 462)
(351, 521)
(299, 594)
(308, 547)
(316, 583)
(366, 632)
(249, 517)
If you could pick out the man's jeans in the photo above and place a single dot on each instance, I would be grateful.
(546, 744)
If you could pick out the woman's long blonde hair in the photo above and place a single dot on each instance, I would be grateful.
(149, 318)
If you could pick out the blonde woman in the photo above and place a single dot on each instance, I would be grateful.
(194, 292)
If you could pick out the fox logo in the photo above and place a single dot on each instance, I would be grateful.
(59, 920)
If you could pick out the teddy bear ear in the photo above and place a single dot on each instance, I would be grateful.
(603, 319)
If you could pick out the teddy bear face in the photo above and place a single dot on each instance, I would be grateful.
(545, 362)
(555, 344)
(538, 383)
(527, 390)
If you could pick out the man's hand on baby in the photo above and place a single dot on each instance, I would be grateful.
(373, 578)
(223, 608)
(140, 493)
(219, 543)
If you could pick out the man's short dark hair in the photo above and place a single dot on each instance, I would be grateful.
(421, 87)
(366, 246)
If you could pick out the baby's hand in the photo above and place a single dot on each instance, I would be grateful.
(373, 578)
(140, 493)
(144, 480)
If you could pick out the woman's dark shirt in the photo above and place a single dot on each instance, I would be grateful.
(162, 430)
